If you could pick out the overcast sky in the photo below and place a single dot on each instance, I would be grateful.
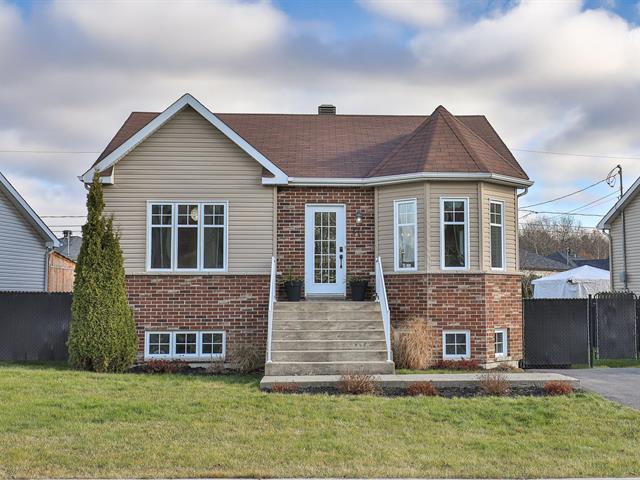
(556, 76)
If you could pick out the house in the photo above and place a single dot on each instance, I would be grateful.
(575, 261)
(62, 263)
(533, 264)
(25, 243)
(622, 222)
(70, 245)
(214, 209)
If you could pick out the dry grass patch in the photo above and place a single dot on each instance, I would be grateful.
(494, 383)
(413, 345)
(358, 384)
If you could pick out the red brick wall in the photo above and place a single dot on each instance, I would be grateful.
(360, 238)
(237, 304)
(475, 302)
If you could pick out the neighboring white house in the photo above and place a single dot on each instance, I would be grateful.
(575, 283)
(623, 225)
(25, 243)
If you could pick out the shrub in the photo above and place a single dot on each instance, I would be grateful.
(555, 387)
(457, 365)
(215, 368)
(428, 389)
(165, 366)
(285, 388)
(102, 335)
(247, 358)
(494, 383)
(413, 346)
(358, 384)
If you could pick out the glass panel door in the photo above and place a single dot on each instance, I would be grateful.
(325, 250)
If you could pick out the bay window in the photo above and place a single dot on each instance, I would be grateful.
(190, 236)
(405, 235)
(496, 225)
(454, 239)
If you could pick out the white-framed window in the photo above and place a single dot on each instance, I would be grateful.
(185, 345)
(454, 233)
(187, 236)
(501, 342)
(405, 237)
(496, 227)
(456, 344)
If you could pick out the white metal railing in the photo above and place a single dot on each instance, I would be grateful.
(381, 297)
(272, 300)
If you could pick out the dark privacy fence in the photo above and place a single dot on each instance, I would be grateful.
(34, 326)
(562, 332)
(556, 332)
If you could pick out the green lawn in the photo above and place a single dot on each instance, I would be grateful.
(60, 423)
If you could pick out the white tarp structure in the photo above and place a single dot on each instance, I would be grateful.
(576, 283)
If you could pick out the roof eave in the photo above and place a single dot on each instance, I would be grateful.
(409, 177)
(619, 206)
(29, 213)
(186, 100)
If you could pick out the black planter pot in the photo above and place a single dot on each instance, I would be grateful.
(359, 290)
(294, 290)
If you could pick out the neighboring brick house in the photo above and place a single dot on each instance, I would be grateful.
(203, 202)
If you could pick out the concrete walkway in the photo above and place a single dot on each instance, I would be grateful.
(454, 380)
(621, 385)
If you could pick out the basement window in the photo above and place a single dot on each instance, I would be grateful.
(456, 344)
(185, 345)
(501, 342)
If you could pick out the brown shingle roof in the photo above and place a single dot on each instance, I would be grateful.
(358, 146)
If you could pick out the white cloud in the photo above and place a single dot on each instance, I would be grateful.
(416, 13)
(224, 29)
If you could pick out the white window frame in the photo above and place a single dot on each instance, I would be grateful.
(396, 225)
(465, 200)
(446, 356)
(198, 356)
(502, 237)
(505, 342)
(174, 236)
(157, 356)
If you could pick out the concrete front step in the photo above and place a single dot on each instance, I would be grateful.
(327, 324)
(341, 344)
(329, 356)
(321, 335)
(328, 315)
(327, 306)
(328, 368)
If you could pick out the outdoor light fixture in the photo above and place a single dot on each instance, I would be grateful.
(358, 217)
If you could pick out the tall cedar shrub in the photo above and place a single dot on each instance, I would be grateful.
(102, 334)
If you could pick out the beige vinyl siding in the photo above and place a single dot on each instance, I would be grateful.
(632, 223)
(438, 190)
(506, 195)
(385, 231)
(22, 251)
(188, 159)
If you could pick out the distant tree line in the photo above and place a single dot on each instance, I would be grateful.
(546, 235)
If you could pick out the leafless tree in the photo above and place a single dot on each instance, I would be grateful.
(546, 235)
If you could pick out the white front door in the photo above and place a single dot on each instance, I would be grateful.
(325, 250)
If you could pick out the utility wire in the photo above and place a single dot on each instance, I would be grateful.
(612, 157)
(565, 196)
(50, 152)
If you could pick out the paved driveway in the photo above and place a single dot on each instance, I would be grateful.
(618, 384)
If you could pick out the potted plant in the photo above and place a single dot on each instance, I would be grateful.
(358, 288)
(293, 287)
